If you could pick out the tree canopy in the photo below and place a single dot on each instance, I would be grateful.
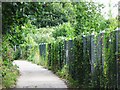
(69, 19)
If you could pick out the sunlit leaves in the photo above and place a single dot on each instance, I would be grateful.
(65, 30)
(88, 16)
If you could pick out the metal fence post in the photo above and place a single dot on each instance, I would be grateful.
(92, 53)
(49, 54)
(84, 54)
(64, 48)
(71, 58)
(67, 58)
(118, 56)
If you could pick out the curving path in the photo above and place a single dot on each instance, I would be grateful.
(34, 76)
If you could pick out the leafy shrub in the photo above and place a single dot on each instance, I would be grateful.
(33, 53)
(90, 60)
(9, 75)
(63, 73)
(7, 51)
(9, 71)
(64, 30)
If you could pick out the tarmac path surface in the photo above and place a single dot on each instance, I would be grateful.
(35, 76)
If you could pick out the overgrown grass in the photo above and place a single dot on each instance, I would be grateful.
(9, 76)
(64, 74)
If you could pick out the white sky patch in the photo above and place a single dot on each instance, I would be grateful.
(114, 7)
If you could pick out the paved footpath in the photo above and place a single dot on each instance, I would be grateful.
(34, 76)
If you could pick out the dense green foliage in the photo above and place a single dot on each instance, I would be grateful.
(89, 19)
(41, 14)
(110, 60)
(86, 62)
(81, 17)
(27, 24)
(64, 31)
(9, 71)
